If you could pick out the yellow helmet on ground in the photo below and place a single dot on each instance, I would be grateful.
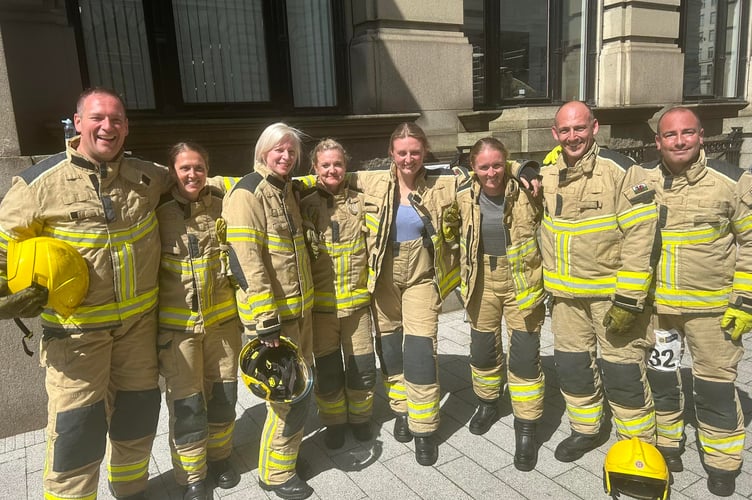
(636, 469)
(52, 264)
(277, 374)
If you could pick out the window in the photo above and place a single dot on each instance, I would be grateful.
(197, 56)
(530, 50)
(714, 46)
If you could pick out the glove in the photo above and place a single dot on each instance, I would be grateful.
(618, 320)
(220, 226)
(27, 303)
(451, 222)
(552, 156)
(269, 330)
(310, 233)
(740, 320)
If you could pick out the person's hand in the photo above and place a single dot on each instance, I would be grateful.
(268, 332)
(736, 322)
(618, 320)
(451, 222)
(27, 303)
(533, 185)
(312, 239)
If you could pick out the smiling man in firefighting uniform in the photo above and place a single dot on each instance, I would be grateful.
(597, 236)
(703, 294)
(101, 361)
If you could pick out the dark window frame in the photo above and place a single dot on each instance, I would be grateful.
(163, 53)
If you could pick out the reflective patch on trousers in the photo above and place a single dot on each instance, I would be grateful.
(389, 348)
(296, 417)
(524, 355)
(574, 372)
(482, 349)
(330, 373)
(420, 366)
(221, 405)
(81, 437)
(361, 372)
(623, 384)
(190, 419)
(715, 403)
(666, 392)
(135, 414)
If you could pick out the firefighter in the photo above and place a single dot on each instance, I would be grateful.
(334, 221)
(702, 295)
(412, 269)
(596, 239)
(199, 330)
(101, 361)
(502, 276)
(270, 263)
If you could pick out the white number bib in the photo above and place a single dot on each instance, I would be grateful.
(666, 354)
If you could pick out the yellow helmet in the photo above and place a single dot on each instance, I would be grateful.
(52, 264)
(278, 374)
(636, 469)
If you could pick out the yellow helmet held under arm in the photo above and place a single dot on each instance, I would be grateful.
(52, 264)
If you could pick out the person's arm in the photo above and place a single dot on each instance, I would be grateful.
(737, 319)
(247, 237)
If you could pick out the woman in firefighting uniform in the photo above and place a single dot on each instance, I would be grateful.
(199, 329)
(269, 260)
(411, 269)
(333, 218)
(502, 276)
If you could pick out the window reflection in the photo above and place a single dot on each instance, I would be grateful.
(524, 48)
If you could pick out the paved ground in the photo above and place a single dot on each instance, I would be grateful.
(469, 466)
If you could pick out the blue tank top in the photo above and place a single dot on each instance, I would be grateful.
(407, 224)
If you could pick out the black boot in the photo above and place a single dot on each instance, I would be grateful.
(485, 416)
(292, 489)
(576, 445)
(334, 436)
(402, 429)
(426, 450)
(362, 431)
(722, 484)
(526, 449)
(195, 491)
(224, 475)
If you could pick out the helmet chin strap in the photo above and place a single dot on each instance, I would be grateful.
(27, 335)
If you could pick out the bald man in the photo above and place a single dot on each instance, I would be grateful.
(597, 235)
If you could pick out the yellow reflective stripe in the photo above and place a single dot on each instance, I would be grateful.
(324, 299)
(491, 381)
(743, 224)
(48, 495)
(282, 461)
(278, 244)
(628, 280)
(129, 472)
(360, 407)
(695, 236)
(171, 317)
(423, 411)
(88, 316)
(124, 261)
(692, 298)
(526, 392)
(742, 281)
(585, 414)
(727, 445)
(529, 297)
(635, 426)
(338, 407)
(229, 183)
(265, 449)
(580, 286)
(220, 439)
(190, 463)
(449, 280)
(395, 390)
(244, 234)
(584, 226)
(104, 238)
(637, 215)
(673, 431)
(348, 248)
(372, 222)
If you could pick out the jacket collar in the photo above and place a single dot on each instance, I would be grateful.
(105, 169)
(694, 172)
(584, 165)
(273, 179)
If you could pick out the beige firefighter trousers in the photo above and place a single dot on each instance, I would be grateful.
(102, 388)
(283, 428)
(344, 387)
(200, 371)
(578, 333)
(496, 299)
(406, 305)
(715, 358)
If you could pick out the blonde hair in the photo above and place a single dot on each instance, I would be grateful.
(409, 129)
(275, 134)
(326, 145)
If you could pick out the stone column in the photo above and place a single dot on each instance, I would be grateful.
(411, 56)
(640, 62)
